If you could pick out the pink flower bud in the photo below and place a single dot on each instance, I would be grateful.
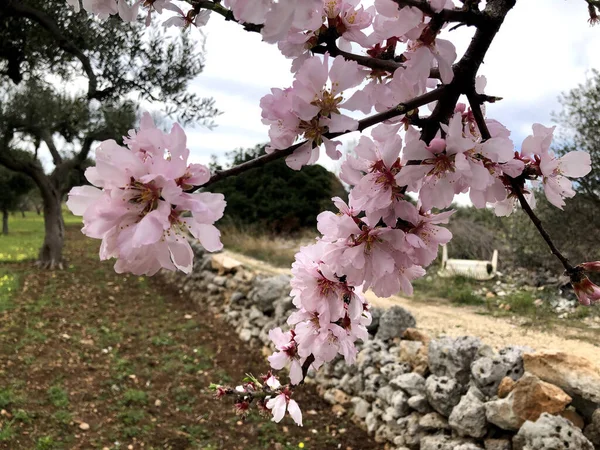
(460, 108)
(592, 266)
(437, 145)
(587, 292)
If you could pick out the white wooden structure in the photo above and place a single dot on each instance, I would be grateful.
(469, 268)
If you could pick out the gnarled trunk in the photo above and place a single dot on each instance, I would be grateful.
(5, 221)
(50, 256)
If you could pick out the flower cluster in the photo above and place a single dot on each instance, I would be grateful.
(268, 396)
(139, 206)
(311, 109)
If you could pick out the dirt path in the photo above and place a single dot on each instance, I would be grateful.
(438, 318)
(90, 359)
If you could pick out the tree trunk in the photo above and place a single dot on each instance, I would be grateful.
(5, 221)
(50, 256)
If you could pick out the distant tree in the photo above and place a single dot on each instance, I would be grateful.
(580, 126)
(13, 186)
(45, 50)
(275, 197)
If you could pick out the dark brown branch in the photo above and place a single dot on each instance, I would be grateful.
(465, 16)
(226, 13)
(49, 140)
(373, 63)
(363, 124)
(307, 363)
(17, 8)
(388, 65)
(516, 187)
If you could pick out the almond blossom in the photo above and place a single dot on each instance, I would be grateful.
(280, 403)
(138, 207)
(310, 109)
(556, 170)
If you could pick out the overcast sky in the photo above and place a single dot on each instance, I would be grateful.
(545, 47)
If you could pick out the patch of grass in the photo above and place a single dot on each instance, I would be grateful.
(163, 340)
(58, 397)
(47, 443)
(135, 397)
(131, 416)
(458, 290)
(22, 416)
(521, 302)
(275, 250)
(7, 397)
(63, 417)
(7, 431)
(26, 235)
(9, 284)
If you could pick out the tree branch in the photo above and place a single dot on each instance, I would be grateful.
(17, 8)
(363, 124)
(469, 17)
(49, 140)
(517, 189)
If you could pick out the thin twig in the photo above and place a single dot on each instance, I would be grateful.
(517, 190)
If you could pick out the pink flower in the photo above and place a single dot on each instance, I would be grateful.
(539, 142)
(102, 8)
(556, 170)
(278, 405)
(287, 354)
(249, 11)
(311, 109)
(373, 173)
(287, 14)
(142, 213)
(587, 292)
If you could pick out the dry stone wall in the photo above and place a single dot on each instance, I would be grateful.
(415, 392)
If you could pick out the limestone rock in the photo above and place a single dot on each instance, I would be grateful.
(488, 372)
(391, 371)
(592, 431)
(506, 386)
(336, 396)
(361, 407)
(575, 375)
(572, 416)
(409, 429)
(413, 334)
(500, 412)
(412, 383)
(400, 404)
(416, 354)
(434, 422)
(267, 290)
(442, 442)
(419, 403)
(497, 444)
(532, 397)
(443, 393)
(394, 322)
(468, 417)
(550, 432)
(452, 357)
(224, 264)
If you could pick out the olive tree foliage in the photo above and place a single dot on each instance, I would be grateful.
(14, 186)
(580, 126)
(68, 80)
